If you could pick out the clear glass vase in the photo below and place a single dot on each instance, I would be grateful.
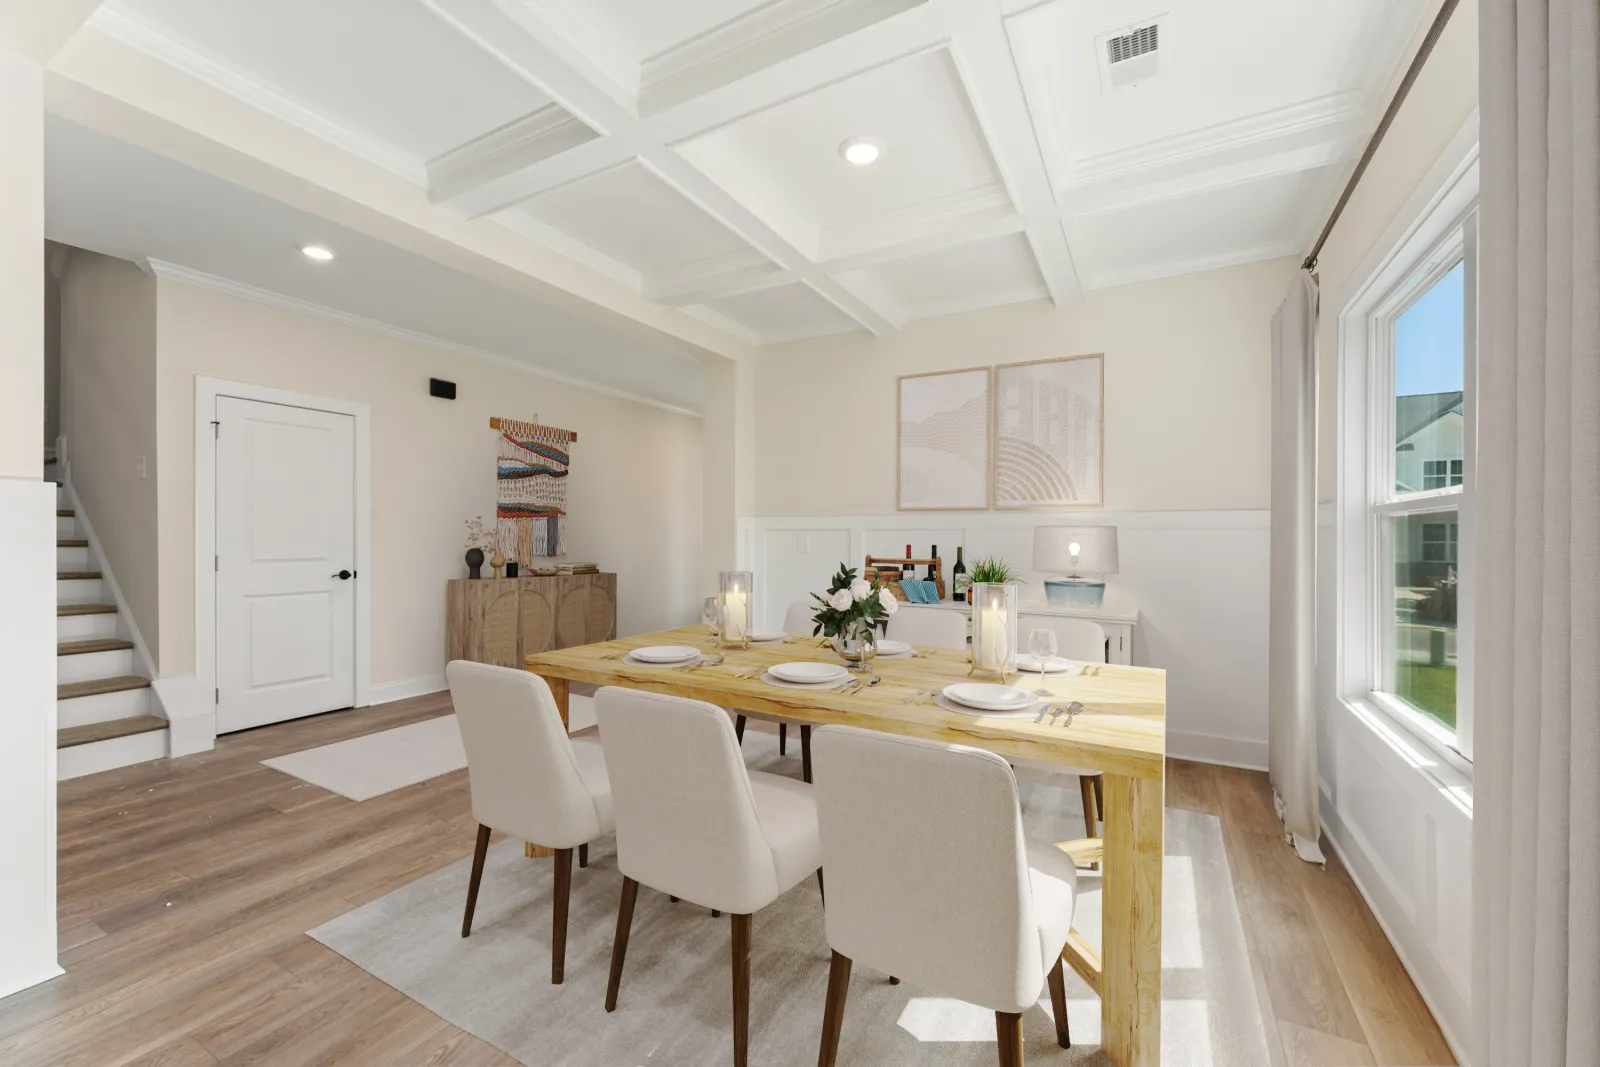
(857, 644)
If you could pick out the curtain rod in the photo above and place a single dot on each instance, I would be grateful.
(1389, 113)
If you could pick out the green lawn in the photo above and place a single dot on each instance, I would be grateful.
(1431, 689)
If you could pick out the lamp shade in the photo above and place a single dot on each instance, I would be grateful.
(1075, 549)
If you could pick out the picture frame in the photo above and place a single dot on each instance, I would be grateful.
(944, 444)
(1049, 434)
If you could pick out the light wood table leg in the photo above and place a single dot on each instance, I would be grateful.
(1130, 994)
(558, 689)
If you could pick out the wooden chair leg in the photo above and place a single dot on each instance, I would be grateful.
(1100, 795)
(783, 739)
(1086, 788)
(1008, 1032)
(558, 927)
(583, 856)
(738, 728)
(833, 1012)
(478, 853)
(1058, 1004)
(741, 989)
(805, 753)
(619, 947)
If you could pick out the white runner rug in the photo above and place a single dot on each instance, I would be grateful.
(674, 1007)
(365, 767)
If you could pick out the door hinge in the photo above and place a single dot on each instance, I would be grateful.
(216, 563)
(216, 429)
(216, 696)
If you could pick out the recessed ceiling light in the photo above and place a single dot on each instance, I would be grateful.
(860, 150)
(317, 252)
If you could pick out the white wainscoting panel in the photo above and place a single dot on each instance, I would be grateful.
(1197, 578)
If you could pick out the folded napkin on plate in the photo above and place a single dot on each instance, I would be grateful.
(920, 591)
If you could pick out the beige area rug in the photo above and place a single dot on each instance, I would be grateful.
(365, 767)
(675, 1007)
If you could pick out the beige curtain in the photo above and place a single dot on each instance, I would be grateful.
(1536, 843)
(1291, 688)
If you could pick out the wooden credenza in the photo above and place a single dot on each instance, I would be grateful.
(501, 620)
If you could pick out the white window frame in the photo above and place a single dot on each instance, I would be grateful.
(1443, 233)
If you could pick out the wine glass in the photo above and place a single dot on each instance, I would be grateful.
(1042, 644)
(711, 614)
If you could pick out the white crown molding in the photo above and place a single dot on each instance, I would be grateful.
(570, 24)
(566, 245)
(1119, 195)
(1327, 118)
(142, 36)
(717, 320)
(520, 143)
(1171, 268)
(228, 287)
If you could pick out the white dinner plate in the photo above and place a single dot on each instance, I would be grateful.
(807, 672)
(1057, 665)
(665, 654)
(986, 696)
(768, 638)
(892, 648)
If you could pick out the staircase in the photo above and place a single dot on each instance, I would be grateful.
(105, 710)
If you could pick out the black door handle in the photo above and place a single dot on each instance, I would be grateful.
(345, 576)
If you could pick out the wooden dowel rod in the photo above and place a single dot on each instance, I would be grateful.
(494, 424)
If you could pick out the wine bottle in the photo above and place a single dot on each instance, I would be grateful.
(934, 553)
(958, 578)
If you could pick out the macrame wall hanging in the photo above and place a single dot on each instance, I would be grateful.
(532, 479)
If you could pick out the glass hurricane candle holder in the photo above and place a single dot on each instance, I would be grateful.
(736, 606)
(994, 628)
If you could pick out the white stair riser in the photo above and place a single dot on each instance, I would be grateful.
(81, 591)
(87, 666)
(103, 707)
(67, 526)
(85, 627)
(79, 760)
(72, 559)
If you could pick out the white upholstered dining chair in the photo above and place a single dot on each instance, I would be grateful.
(930, 626)
(529, 779)
(692, 822)
(931, 880)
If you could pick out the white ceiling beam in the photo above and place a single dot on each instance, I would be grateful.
(972, 215)
(518, 38)
(983, 58)
(742, 271)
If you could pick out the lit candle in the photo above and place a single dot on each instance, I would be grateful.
(735, 616)
(992, 636)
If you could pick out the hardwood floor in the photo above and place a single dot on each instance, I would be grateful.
(186, 888)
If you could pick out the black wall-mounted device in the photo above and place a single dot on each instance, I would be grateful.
(442, 389)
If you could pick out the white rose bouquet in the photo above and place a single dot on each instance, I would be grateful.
(851, 605)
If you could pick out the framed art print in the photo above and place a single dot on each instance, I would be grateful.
(1049, 433)
(944, 462)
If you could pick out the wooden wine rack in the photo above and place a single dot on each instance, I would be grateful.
(871, 571)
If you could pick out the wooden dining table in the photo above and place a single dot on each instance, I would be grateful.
(1120, 732)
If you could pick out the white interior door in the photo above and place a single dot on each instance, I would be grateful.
(285, 535)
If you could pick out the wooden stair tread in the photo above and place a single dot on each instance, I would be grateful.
(99, 644)
(86, 609)
(105, 731)
(72, 542)
(96, 686)
(77, 576)
(65, 513)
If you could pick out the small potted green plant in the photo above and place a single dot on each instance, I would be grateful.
(992, 570)
(848, 614)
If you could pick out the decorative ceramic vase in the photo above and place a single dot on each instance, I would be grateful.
(857, 645)
(474, 561)
(498, 563)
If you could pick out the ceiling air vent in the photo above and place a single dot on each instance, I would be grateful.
(1132, 55)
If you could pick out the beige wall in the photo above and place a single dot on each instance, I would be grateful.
(1443, 98)
(21, 280)
(635, 490)
(1188, 383)
(108, 373)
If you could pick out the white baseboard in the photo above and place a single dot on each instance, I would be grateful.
(191, 708)
(15, 982)
(420, 686)
(1243, 752)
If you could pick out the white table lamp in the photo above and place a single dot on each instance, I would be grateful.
(1075, 551)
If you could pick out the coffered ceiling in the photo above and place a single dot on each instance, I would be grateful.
(692, 150)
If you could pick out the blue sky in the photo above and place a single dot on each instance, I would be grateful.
(1429, 337)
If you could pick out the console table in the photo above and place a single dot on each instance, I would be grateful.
(504, 620)
(1117, 622)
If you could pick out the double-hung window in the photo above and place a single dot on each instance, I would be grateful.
(1409, 349)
